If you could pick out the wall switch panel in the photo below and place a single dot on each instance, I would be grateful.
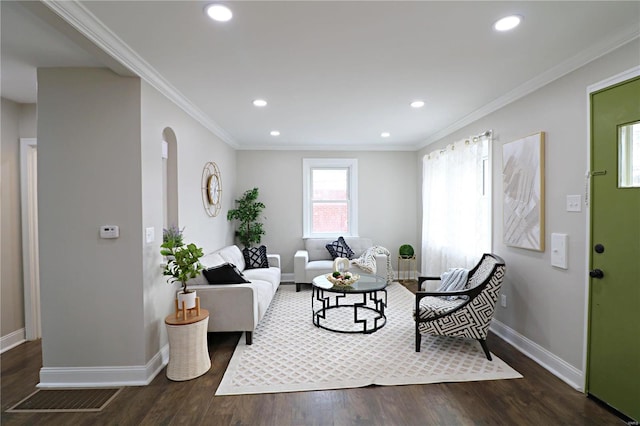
(109, 231)
(559, 245)
(574, 203)
(150, 235)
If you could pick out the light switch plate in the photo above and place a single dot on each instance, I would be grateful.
(559, 244)
(574, 203)
(150, 234)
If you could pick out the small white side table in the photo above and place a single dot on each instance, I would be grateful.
(188, 351)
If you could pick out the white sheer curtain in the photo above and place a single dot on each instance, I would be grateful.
(456, 221)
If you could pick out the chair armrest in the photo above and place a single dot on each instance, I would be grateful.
(421, 280)
(274, 260)
(471, 292)
(300, 260)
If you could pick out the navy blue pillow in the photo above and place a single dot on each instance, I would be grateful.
(340, 248)
(255, 257)
(227, 273)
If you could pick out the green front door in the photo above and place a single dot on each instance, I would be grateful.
(614, 292)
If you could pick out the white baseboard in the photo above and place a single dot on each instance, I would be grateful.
(90, 377)
(557, 366)
(286, 277)
(12, 340)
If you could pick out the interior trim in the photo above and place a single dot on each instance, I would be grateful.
(85, 22)
(89, 377)
(551, 362)
(12, 340)
(577, 61)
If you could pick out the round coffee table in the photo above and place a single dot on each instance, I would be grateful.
(364, 298)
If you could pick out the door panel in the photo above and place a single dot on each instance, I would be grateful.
(614, 324)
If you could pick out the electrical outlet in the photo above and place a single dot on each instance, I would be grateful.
(574, 203)
(503, 300)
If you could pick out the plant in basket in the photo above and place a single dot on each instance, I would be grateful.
(342, 279)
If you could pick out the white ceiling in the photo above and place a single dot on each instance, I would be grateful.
(335, 73)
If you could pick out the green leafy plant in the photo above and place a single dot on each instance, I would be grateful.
(249, 231)
(173, 236)
(184, 263)
(406, 251)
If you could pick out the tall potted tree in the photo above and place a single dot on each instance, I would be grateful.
(183, 264)
(248, 212)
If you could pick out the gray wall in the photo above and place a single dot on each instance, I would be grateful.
(387, 202)
(18, 121)
(547, 304)
(195, 146)
(104, 301)
(89, 175)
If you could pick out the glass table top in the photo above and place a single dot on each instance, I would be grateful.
(365, 284)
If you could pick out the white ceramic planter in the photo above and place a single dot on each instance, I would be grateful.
(188, 298)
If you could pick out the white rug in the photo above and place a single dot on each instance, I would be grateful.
(290, 354)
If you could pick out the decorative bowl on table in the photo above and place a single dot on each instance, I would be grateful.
(345, 279)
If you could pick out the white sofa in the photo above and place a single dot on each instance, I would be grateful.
(315, 259)
(237, 307)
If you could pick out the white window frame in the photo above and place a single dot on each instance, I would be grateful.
(309, 164)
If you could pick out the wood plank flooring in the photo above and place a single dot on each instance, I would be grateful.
(538, 399)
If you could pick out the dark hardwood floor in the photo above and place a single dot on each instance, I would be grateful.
(538, 399)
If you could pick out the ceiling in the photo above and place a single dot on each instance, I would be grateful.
(335, 74)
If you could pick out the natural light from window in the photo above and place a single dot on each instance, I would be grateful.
(329, 191)
(629, 156)
(330, 200)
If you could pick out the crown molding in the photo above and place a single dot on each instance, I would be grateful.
(577, 61)
(372, 147)
(85, 22)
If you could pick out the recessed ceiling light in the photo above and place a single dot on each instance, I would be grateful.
(385, 134)
(260, 102)
(219, 12)
(275, 133)
(417, 104)
(507, 23)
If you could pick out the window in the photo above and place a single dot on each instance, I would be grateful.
(629, 155)
(456, 197)
(330, 195)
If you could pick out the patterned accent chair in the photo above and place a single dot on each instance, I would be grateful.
(469, 313)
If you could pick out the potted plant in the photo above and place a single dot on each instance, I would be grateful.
(183, 265)
(247, 213)
(406, 251)
(172, 238)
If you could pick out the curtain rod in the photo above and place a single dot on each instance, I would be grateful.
(485, 134)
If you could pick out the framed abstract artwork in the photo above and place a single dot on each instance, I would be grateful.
(523, 192)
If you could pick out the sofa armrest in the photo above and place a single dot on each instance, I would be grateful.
(300, 260)
(381, 265)
(233, 307)
(274, 260)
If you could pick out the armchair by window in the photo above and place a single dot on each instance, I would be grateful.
(465, 313)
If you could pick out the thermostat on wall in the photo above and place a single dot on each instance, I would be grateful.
(109, 231)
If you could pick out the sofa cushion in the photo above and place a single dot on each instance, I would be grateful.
(212, 259)
(232, 254)
(264, 294)
(255, 257)
(320, 267)
(271, 275)
(339, 248)
(226, 273)
(317, 250)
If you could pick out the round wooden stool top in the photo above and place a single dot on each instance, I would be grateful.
(193, 318)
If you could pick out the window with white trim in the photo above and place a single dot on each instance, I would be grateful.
(330, 197)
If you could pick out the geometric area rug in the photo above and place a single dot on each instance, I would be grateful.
(290, 354)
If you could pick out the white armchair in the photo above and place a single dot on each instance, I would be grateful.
(315, 259)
